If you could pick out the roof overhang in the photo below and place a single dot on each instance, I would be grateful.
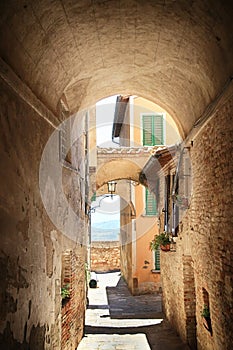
(121, 105)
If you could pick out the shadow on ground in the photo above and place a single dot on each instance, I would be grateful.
(122, 304)
(125, 308)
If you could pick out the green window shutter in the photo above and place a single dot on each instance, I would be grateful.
(147, 124)
(153, 133)
(158, 130)
(157, 259)
(151, 207)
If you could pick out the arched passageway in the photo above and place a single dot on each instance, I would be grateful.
(60, 57)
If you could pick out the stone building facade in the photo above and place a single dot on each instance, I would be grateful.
(199, 271)
(31, 244)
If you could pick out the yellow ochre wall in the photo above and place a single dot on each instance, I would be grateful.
(147, 226)
(142, 106)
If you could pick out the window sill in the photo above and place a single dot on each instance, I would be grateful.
(155, 271)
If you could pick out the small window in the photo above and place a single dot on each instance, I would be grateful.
(153, 130)
(157, 260)
(151, 205)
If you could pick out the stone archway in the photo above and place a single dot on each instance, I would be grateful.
(178, 54)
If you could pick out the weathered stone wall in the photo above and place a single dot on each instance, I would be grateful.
(179, 293)
(31, 246)
(204, 255)
(105, 256)
(126, 245)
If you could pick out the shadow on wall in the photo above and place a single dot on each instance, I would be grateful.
(36, 339)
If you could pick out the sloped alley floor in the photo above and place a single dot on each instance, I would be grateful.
(117, 320)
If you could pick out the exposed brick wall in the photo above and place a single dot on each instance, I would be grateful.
(173, 289)
(205, 244)
(189, 300)
(73, 309)
(105, 256)
(211, 225)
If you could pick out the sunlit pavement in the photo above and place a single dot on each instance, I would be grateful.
(117, 320)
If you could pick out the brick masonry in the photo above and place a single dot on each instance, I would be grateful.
(204, 254)
(105, 256)
(73, 308)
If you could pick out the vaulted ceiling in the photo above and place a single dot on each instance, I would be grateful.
(177, 53)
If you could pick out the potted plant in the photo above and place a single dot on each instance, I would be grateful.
(162, 240)
(205, 313)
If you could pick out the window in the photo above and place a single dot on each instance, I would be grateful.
(166, 203)
(151, 205)
(157, 260)
(153, 129)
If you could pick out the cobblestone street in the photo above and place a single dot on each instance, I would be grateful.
(117, 320)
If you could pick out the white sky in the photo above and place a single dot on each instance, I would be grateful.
(110, 208)
(104, 119)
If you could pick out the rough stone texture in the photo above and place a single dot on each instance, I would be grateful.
(31, 246)
(105, 256)
(149, 287)
(203, 258)
(87, 51)
(76, 48)
(126, 246)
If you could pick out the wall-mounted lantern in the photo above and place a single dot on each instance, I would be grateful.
(111, 187)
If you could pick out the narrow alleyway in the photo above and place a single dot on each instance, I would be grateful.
(117, 320)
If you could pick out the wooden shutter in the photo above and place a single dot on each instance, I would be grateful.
(157, 259)
(153, 133)
(158, 130)
(151, 207)
(147, 124)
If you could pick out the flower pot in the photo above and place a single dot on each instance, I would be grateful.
(165, 248)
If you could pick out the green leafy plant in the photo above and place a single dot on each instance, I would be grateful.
(205, 312)
(65, 291)
(160, 240)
